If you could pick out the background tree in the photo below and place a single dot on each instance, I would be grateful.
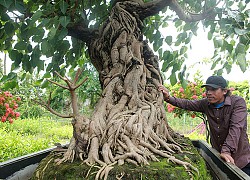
(129, 119)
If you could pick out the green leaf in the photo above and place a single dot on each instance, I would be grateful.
(241, 31)
(160, 52)
(183, 49)
(184, 83)
(228, 67)
(63, 33)
(240, 48)
(23, 76)
(230, 3)
(219, 72)
(217, 43)
(229, 48)
(6, 3)
(52, 33)
(11, 76)
(176, 67)
(63, 6)
(164, 66)
(44, 22)
(244, 39)
(229, 30)
(19, 5)
(64, 20)
(45, 84)
(209, 35)
(5, 17)
(220, 42)
(9, 29)
(64, 46)
(224, 45)
(15, 55)
(189, 38)
(45, 46)
(168, 40)
(47, 75)
(183, 36)
(214, 65)
(164, 24)
(178, 23)
(178, 42)
(21, 45)
(16, 63)
(26, 65)
(241, 59)
(36, 16)
(10, 85)
(38, 82)
(194, 30)
(40, 65)
(38, 34)
(173, 79)
(29, 48)
(187, 27)
(49, 67)
(241, 6)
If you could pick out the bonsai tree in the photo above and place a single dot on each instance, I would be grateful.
(129, 121)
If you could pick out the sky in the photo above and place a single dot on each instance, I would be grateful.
(203, 48)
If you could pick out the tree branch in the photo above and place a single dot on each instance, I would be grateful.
(80, 31)
(83, 81)
(190, 17)
(62, 86)
(47, 106)
(153, 7)
(71, 86)
(78, 73)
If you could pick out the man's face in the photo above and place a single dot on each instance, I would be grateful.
(215, 95)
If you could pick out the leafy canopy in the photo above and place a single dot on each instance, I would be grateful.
(45, 35)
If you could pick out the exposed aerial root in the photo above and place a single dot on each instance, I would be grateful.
(104, 171)
(69, 155)
(187, 165)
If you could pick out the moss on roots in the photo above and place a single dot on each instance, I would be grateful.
(163, 169)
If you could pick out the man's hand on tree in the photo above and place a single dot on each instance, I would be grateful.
(164, 91)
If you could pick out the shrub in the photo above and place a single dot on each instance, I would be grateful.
(193, 91)
(8, 107)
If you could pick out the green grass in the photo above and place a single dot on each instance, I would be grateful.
(26, 136)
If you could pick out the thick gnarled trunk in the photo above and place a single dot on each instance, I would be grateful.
(129, 122)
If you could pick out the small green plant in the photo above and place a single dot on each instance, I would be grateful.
(8, 107)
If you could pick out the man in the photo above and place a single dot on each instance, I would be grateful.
(227, 118)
